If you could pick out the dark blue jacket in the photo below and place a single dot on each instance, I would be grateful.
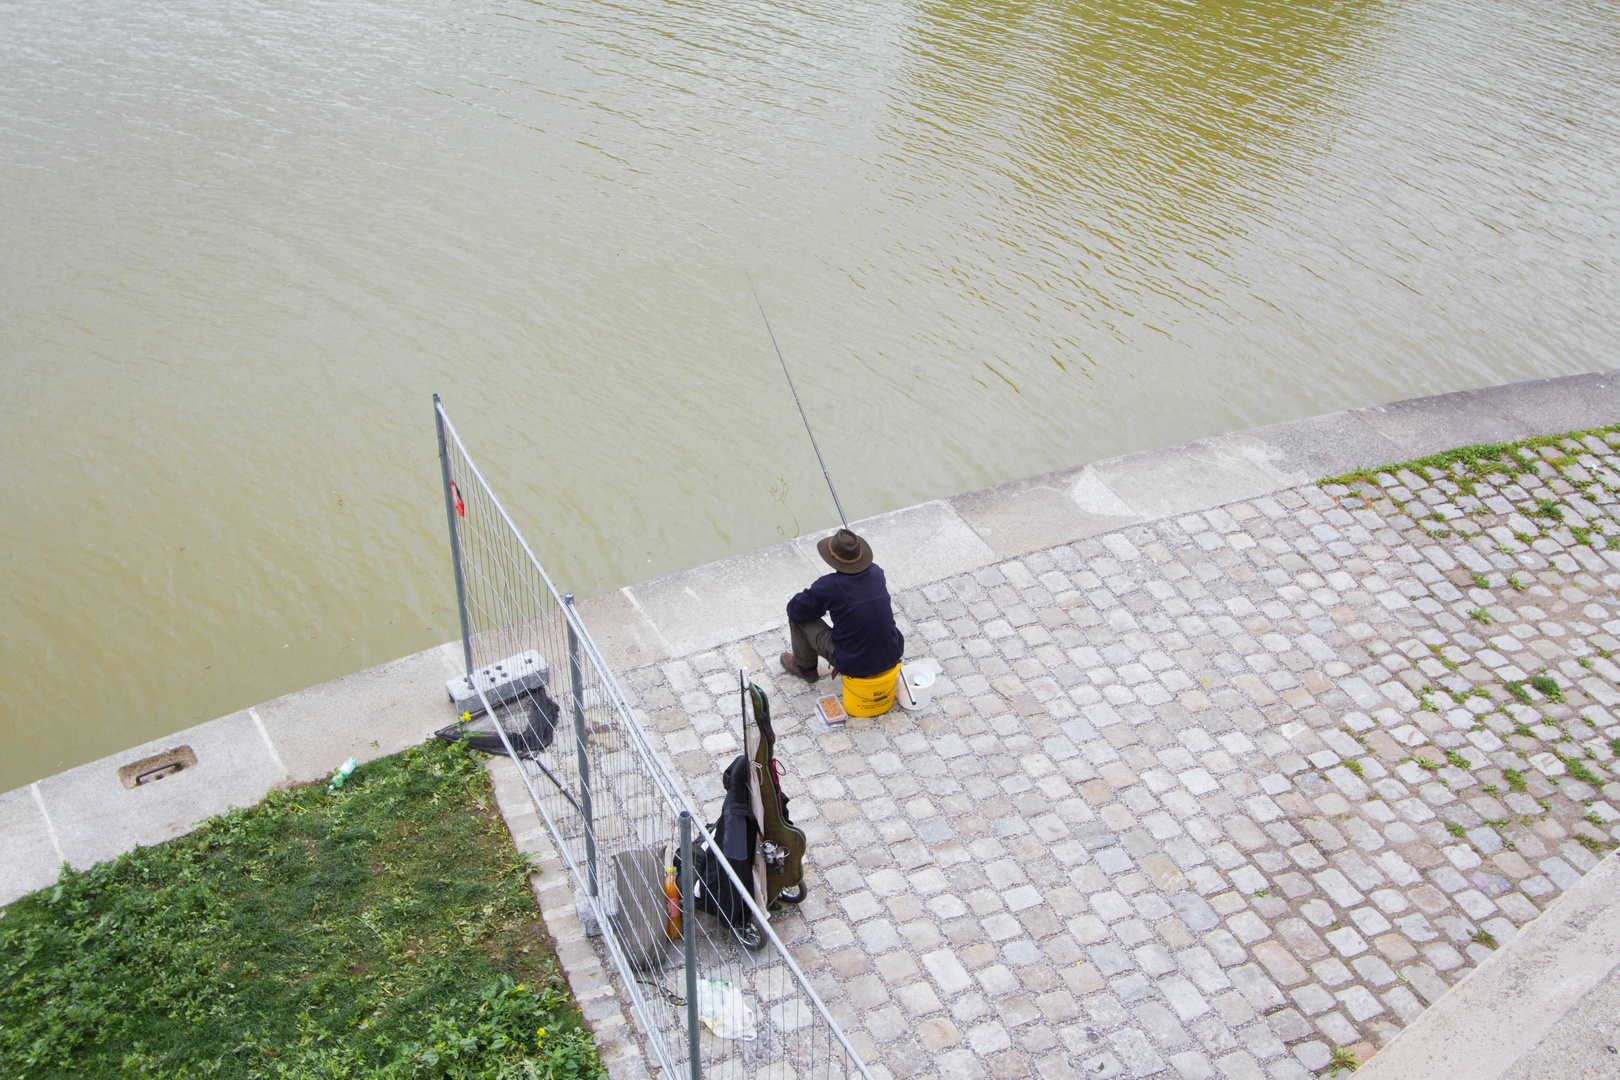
(865, 640)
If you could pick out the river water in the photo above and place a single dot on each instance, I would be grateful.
(242, 243)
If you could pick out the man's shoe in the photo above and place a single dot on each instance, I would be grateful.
(791, 666)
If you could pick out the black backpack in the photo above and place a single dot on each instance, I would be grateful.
(736, 833)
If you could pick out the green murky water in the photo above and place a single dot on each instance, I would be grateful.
(241, 243)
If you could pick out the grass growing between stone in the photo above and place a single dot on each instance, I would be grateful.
(1478, 459)
(384, 930)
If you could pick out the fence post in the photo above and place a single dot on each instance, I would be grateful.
(455, 538)
(694, 1044)
(576, 679)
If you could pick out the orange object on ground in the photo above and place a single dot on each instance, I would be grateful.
(672, 906)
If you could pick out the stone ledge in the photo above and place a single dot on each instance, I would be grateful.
(600, 1004)
(1507, 1005)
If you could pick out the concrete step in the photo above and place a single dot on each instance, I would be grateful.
(1546, 1005)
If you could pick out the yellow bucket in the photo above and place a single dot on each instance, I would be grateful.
(873, 696)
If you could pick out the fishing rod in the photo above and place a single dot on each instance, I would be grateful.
(800, 404)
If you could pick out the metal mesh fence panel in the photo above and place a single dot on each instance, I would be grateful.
(710, 1000)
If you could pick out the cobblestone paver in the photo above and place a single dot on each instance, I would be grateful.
(1210, 796)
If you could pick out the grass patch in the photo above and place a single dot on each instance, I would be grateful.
(1520, 694)
(1577, 768)
(1548, 686)
(1466, 465)
(1515, 779)
(382, 931)
(1456, 829)
(1485, 938)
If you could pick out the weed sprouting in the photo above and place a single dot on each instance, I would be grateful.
(1343, 1058)
(1577, 768)
(1549, 688)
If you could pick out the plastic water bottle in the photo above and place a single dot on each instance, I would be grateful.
(342, 774)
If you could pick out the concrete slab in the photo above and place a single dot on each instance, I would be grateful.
(96, 818)
(1508, 1004)
(734, 598)
(367, 715)
(625, 636)
(1585, 1043)
(1429, 425)
(1041, 512)
(1550, 406)
(1197, 475)
(1329, 445)
(31, 860)
(914, 546)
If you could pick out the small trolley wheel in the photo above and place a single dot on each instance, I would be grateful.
(795, 897)
(751, 936)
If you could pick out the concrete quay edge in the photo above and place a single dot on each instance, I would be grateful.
(707, 606)
(1514, 1001)
(85, 815)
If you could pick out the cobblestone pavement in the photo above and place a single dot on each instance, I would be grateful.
(1210, 796)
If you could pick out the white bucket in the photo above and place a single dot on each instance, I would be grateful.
(915, 687)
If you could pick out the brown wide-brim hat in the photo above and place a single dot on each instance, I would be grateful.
(845, 552)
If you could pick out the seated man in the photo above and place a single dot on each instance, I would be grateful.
(862, 641)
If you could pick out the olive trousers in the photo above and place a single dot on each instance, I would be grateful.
(810, 640)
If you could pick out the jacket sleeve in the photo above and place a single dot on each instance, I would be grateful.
(806, 606)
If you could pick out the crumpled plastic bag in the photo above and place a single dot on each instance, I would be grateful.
(723, 1011)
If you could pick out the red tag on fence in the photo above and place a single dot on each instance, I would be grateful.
(455, 493)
